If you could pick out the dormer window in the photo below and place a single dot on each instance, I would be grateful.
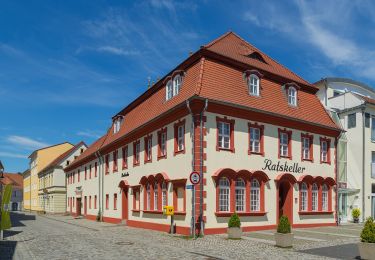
(253, 83)
(292, 96)
(117, 124)
(173, 86)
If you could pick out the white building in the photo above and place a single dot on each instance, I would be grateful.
(52, 182)
(354, 105)
(260, 139)
(16, 180)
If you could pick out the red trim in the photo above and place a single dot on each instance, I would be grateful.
(180, 213)
(231, 141)
(162, 131)
(112, 220)
(313, 225)
(159, 212)
(253, 213)
(315, 212)
(157, 226)
(261, 141)
(214, 231)
(107, 201)
(125, 151)
(135, 162)
(311, 145)
(289, 133)
(176, 126)
(323, 139)
(136, 190)
(176, 185)
(147, 152)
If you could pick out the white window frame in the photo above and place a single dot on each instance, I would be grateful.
(324, 197)
(314, 197)
(324, 151)
(149, 148)
(255, 142)
(164, 194)
(223, 136)
(177, 80)
(254, 195)
(240, 191)
(148, 197)
(156, 196)
(163, 144)
(304, 197)
(284, 144)
(292, 96)
(181, 137)
(137, 152)
(253, 84)
(306, 148)
(224, 194)
(169, 90)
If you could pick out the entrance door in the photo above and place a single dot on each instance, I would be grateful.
(343, 211)
(85, 206)
(373, 205)
(78, 206)
(125, 203)
(286, 201)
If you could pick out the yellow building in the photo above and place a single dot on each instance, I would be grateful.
(39, 159)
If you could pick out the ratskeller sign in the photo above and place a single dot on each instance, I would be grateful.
(282, 167)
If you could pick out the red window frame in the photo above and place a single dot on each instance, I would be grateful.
(147, 152)
(107, 201)
(311, 145)
(125, 157)
(135, 162)
(177, 185)
(289, 133)
(90, 171)
(324, 139)
(320, 198)
(136, 190)
(96, 169)
(261, 136)
(231, 137)
(90, 202)
(115, 201)
(115, 162)
(107, 164)
(85, 172)
(162, 131)
(176, 126)
(95, 200)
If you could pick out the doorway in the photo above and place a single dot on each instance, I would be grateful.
(125, 203)
(285, 201)
(85, 206)
(78, 206)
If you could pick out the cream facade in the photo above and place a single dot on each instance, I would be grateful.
(39, 159)
(52, 185)
(353, 103)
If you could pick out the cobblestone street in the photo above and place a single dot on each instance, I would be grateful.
(62, 237)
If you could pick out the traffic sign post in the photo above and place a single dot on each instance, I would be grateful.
(194, 179)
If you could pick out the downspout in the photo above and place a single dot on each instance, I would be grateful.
(201, 169)
(98, 155)
(337, 180)
(192, 167)
(363, 165)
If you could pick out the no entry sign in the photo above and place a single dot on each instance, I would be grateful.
(195, 178)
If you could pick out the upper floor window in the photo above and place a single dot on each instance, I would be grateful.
(352, 122)
(176, 84)
(169, 90)
(173, 87)
(148, 148)
(307, 146)
(107, 164)
(162, 143)
(117, 124)
(125, 157)
(373, 129)
(136, 151)
(292, 96)
(253, 83)
(223, 135)
(179, 137)
(254, 140)
(285, 149)
(115, 168)
(67, 162)
(324, 150)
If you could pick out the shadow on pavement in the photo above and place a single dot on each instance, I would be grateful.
(7, 249)
(17, 218)
(345, 251)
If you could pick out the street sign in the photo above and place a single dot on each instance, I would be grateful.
(195, 178)
(189, 187)
(168, 210)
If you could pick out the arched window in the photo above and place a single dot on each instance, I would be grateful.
(240, 195)
(255, 195)
(304, 197)
(324, 197)
(253, 84)
(176, 84)
(292, 96)
(148, 198)
(169, 90)
(224, 194)
(156, 197)
(314, 197)
(164, 194)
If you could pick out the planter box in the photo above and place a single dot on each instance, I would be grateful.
(234, 233)
(356, 220)
(366, 250)
(284, 240)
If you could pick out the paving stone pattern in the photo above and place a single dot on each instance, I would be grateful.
(63, 237)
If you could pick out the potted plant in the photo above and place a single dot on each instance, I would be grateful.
(98, 216)
(367, 245)
(283, 236)
(234, 227)
(355, 214)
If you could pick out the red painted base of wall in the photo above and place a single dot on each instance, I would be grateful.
(157, 227)
(112, 220)
(314, 225)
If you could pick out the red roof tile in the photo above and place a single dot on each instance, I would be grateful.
(14, 179)
(203, 78)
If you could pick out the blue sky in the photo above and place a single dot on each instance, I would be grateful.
(66, 67)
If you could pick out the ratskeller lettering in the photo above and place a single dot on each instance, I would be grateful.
(282, 167)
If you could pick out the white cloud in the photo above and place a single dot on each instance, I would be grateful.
(117, 51)
(13, 155)
(26, 142)
(90, 134)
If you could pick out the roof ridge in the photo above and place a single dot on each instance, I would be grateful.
(218, 39)
(200, 76)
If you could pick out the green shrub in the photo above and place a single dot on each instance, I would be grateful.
(234, 221)
(284, 225)
(368, 231)
(356, 213)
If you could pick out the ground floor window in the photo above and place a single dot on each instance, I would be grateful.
(314, 196)
(304, 198)
(255, 195)
(224, 194)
